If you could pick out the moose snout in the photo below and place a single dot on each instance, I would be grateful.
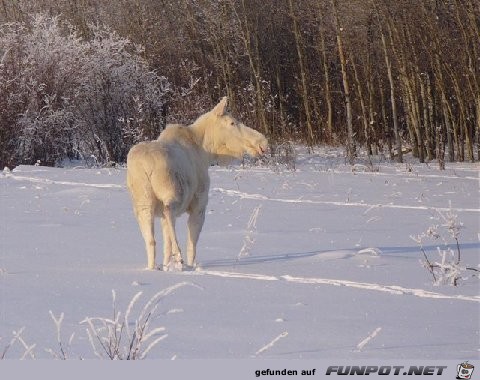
(263, 147)
(262, 150)
(257, 150)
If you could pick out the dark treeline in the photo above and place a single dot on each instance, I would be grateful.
(387, 76)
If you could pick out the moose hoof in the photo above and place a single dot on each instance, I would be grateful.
(191, 268)
(153, 267)
(173, 266)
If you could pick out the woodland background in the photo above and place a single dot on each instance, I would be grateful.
(86, 79)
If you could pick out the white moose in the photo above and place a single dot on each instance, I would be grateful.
(169, 176)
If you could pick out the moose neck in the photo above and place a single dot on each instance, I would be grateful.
(202, 130)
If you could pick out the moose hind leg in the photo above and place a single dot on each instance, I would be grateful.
(167, 242)
(170, 224)
(145, 217)
(195, 224)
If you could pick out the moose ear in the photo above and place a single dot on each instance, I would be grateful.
(220, 108)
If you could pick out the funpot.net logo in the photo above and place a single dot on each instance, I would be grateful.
(386, 370)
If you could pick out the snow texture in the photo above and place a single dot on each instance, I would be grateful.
(313, 263)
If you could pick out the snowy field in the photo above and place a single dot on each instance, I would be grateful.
(315, 263)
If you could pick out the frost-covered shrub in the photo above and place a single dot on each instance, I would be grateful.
(63, 96)
(448, 268)
(129, 335)
(128, 99)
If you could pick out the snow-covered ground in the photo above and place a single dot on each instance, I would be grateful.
(318, 262)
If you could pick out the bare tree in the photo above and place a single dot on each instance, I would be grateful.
(403, 76)
(351, 150)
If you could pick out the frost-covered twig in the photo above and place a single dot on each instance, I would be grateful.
(250, 232)
(115, 339)
(272, 343)
(428, 264)
(4, 56)
(17, 337)
(127, 314)
(28, 349)
(365, 341)
(58, 325)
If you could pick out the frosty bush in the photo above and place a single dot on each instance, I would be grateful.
(447, 269)
(128, 335)
(64, 96)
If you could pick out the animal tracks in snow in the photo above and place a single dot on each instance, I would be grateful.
(242, 195)
(47, 181)
(391, 289)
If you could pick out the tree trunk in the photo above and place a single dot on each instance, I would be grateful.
(351, 150)
(253, 60)
(363, 108)
(398, 141)
(386, 130)
(281, 104)
(448, 125)
(426, 122)
(303, 75)
(440, 149)
(477, 127)
(328, 96)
